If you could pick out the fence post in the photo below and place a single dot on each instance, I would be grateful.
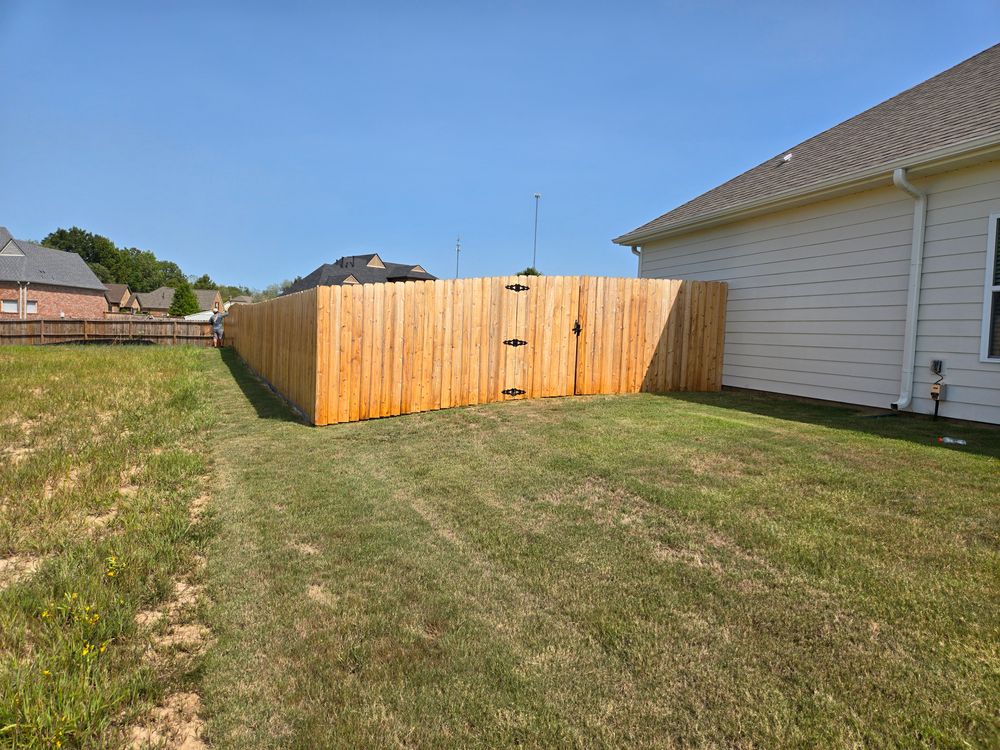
(85, 336)
(174, 331)
(41, 330)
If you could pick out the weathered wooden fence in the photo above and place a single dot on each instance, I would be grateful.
(114, 330)
(348, 353)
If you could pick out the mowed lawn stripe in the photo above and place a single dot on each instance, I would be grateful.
(630, 570)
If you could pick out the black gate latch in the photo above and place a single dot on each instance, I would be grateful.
(577, 328)
(515, 342)
(518, 287)
(512, 391)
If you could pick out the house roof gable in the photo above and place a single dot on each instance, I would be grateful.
(357, 269)
(43, 265)
(958, 106)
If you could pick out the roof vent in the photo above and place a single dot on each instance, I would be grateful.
(785, 159)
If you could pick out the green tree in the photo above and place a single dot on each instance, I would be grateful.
(204, 282)
(184, 302)
(529, 271)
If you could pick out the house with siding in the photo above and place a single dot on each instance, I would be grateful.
(40, 282)
(860, 259)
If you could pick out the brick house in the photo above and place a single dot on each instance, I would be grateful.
(40, 282)
(118, 296)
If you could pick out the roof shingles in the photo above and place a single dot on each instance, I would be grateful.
(43, 265)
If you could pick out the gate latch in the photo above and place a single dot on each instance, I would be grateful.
(515, 342)
(577, 328)
(518, 287)
(512, 391)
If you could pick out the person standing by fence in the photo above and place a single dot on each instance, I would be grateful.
(216, 320)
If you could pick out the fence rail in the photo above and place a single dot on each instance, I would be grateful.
(348, 353)
(117, 330)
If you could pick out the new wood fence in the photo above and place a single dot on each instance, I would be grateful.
(347, 353)
(117, 330)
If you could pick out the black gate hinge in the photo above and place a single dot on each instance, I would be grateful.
(518, 287)
(515, 342)
(512, 391)
(577, 328)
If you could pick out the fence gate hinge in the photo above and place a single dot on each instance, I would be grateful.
(515, 342)
(577, 328)
(512, 391)
(518, 287)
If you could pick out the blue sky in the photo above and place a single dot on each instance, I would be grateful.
(254, 141)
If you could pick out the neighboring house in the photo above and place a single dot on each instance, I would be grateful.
(207, 299)
(240, 300)
(157, 302)
(862, 255)
(117, 296)
(132, 305)
(38, 281)
(360, 269)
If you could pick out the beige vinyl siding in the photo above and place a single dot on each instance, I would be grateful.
(814, 292)
(817, 298)
(951, 304)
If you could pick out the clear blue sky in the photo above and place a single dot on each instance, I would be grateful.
(254, 141)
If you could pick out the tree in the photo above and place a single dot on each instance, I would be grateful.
(184, 302)
(274, 290)
(529, 271)
(93, 248)
(204, 282)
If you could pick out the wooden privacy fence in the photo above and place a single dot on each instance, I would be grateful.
(116, 330)
(346, 353)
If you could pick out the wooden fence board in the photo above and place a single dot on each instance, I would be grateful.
(343, 354)
(119, 329)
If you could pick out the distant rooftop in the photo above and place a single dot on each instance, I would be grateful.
(360, 269)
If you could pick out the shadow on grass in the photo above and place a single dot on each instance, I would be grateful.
(267, 404)
(983, 439)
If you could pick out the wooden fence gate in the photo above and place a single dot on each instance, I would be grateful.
(348, 353)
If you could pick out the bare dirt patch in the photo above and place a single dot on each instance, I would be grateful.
(16, 455)
(17, 568)
(175, 724)
(197, 508)
(320, 595)
(96, 523)
(304, 548)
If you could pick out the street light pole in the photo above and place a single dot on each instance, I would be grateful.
(534, 246)
(458, 249)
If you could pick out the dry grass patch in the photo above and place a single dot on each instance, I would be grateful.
(175, 724)
(16, 568)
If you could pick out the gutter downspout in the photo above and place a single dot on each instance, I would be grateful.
(913, 290)
(637, 252)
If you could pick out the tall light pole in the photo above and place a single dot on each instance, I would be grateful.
(534, 246)
(458, 249)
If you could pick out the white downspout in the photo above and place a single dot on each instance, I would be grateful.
(913, 291)
(637, 252)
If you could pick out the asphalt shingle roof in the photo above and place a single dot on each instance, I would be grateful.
(115, 292)
(956, 106)
(334, 274)
(43, 265)
(160, 299)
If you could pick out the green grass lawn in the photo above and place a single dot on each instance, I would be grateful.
(720, 570)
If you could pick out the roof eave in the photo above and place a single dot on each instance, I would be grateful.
(984, 148)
